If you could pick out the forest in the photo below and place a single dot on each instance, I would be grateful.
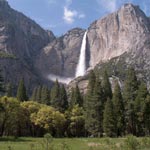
(102, 112)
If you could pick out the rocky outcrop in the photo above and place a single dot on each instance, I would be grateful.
(61, 56)
(126, 30)
(22, 38)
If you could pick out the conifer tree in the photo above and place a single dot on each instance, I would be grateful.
(147, 115)
(21, 92)
(9, 90)
(1, 83)
(94, 111)
(119, 113)
(91, 85)
(109, 122)
(63, 98)
(38, 94)
(45, 95)
(55, 95)
(106, 86)
(34, 94)
(139, 108)
(129, 95)
(76, 97)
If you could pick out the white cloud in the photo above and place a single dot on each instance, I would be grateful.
(70, 15)
(81, 16)
(109, 5)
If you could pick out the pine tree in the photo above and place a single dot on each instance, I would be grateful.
(38, 94)
(129, 95)
(119, 113)
(106, 86)
(94, 111)
(109, 122)
(9, 90)
(147, 116)
(55, 95)
(34, 94)
(45, 95)
(63, 98)
(139, 108)
(76, 97)
(91, 84)
(21, 92)
(1, 83)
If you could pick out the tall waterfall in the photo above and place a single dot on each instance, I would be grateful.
(81, 67)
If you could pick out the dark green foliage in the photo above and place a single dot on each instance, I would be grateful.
(21, 92)
(129, 95)
(34, 94)
(147, 115)
(1, 83)
(139, 108)
(118, 110)
(45, 99)
(9, 90)
(63, 98)
(109, 122)
(76, 97)
(106, 86)
(38, 94)
(94, 111)
(91, 85)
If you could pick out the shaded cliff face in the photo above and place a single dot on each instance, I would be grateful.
(60, 57)
(126, 30)
(21, 39)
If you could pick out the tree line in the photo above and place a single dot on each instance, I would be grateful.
(102, 111)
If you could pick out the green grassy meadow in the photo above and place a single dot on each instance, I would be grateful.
(76, 144)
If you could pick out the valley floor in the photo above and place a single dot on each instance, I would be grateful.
(129, 143)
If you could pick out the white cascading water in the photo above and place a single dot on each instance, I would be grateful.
(81, 67)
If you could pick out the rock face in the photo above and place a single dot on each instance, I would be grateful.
(61, 56)
(23, 39)
(126, 30)
(27, 50)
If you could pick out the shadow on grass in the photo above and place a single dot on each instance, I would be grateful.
(14, 139)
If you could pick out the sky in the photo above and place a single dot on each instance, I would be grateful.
(60, 16)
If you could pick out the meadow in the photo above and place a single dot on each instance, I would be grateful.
(127, 143)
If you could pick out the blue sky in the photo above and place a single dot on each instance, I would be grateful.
(63, 15)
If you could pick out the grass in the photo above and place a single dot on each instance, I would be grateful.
(128, 143)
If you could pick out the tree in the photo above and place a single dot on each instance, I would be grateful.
(106, 86)
(38, 94)
(9, 90)
(21, 92)
(45, 99)
(139, 108)
(129, 95)
(76, 97)
(77, 120)
(94, 111)
(34, 94)
(109, 122)
(147, 115)
(1, 83)
(118, 107)
(11, 117)
(55, 95)
(64, 99)
(51, 120)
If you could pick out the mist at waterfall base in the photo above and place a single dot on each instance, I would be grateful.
(63, 80)
(81, 67)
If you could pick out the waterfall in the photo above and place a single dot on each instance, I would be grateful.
(81, 67)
